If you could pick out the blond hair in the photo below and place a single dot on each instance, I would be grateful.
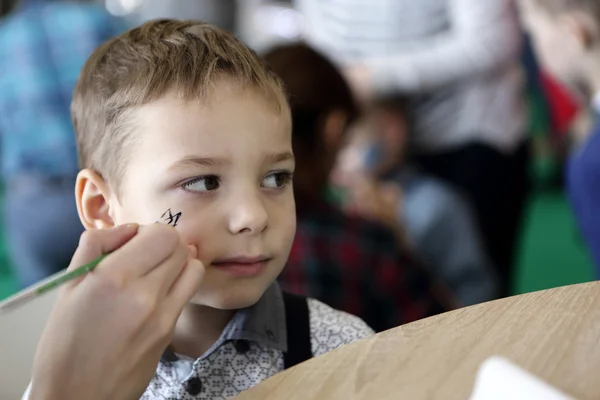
(140, 66)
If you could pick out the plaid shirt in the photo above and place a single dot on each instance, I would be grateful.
(43, 46)
(355, 266)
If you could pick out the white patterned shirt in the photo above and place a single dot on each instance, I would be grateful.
(249, 351)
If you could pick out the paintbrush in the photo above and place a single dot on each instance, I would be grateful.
(44, 287)
(37, 290)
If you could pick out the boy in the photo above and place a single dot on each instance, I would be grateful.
(565, 33)
(180, 122)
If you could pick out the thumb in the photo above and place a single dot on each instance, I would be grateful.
(96, 242)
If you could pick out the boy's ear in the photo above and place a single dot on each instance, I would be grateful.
(334, 128)
(582, 27)
(92, 195)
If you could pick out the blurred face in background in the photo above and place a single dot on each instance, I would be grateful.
(377, 143)
(351, 160)
(391, 130)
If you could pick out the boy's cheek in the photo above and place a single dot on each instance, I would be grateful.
(282, 220)
(199, 237)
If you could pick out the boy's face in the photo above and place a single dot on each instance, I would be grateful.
(226, 166)
(557, 44)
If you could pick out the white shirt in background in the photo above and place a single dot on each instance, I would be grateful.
(459, 57)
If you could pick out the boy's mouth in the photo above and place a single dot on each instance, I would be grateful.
(242, 265)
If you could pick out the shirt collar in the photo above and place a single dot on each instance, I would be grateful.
(263, 323)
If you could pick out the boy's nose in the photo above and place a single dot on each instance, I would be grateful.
(248, 215)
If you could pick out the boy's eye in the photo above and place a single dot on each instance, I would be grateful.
(277, 180)
(203, 184)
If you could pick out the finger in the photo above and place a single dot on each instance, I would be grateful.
(96, 242)
(162, 277)
(193, 251)
(186, 286)
(147, 250)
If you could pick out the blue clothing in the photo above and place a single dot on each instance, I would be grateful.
(583, 187)
(43, 47)
(42, 227)
(443, 231)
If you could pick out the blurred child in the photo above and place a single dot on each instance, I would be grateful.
(438, 222)
(345, 261)
(566, 34)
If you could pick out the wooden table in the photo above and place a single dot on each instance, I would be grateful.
(554, 334)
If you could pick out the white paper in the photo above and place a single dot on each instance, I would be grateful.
(499, 379)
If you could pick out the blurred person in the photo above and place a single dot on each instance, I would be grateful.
(345, 261)
(43, 45)
(438, 221)
(566, 34)
(459, 60)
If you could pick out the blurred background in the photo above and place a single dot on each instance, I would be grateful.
(460, 144)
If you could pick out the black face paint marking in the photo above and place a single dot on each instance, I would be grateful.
(170, 218)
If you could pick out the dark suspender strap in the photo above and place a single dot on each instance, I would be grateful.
(298, 330)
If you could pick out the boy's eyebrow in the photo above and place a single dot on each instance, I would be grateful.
(193, 161)
(280, 157)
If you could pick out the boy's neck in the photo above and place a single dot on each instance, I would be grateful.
(198, 328)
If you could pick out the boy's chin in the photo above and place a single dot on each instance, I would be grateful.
(229, 299)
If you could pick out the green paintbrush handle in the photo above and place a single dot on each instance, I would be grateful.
(67, 276)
